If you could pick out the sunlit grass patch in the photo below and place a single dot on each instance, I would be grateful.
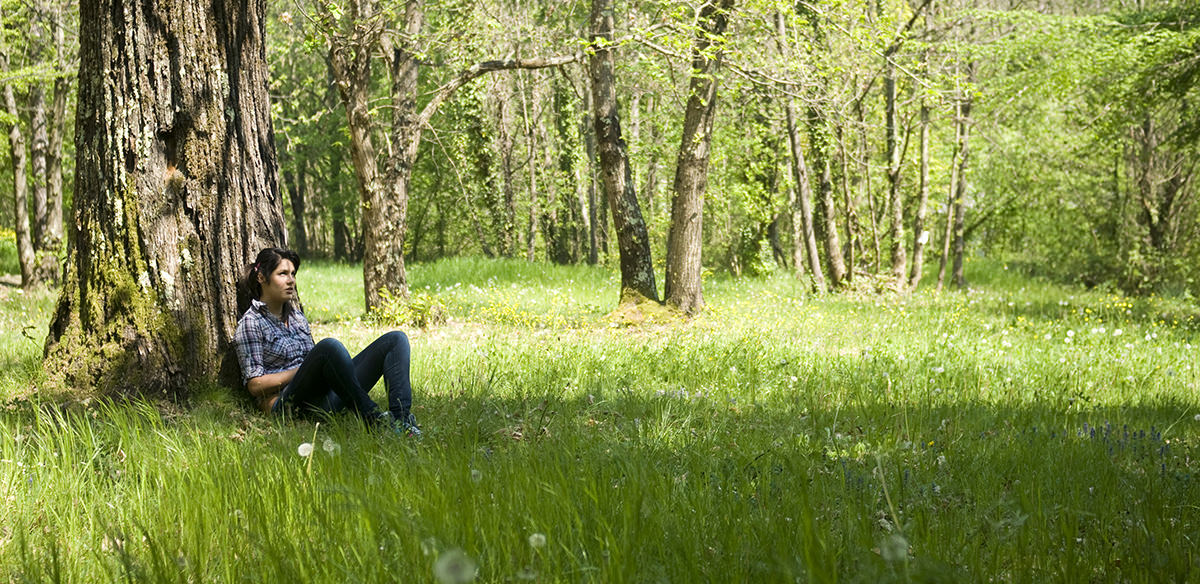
(1001, 434)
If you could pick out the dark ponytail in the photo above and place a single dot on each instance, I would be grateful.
(267, 260)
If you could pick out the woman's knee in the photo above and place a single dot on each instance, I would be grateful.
(330, 345)
(397, 339)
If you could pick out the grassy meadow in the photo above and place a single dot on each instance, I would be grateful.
(1020, 432)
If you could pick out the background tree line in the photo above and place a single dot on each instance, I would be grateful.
(850, 141)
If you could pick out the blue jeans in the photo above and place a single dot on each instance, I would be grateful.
(330, 381)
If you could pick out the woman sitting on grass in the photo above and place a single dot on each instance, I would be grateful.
(288, 374)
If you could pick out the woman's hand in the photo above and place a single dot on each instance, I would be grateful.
(266, 388)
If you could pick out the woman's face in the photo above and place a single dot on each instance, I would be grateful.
(280, 285)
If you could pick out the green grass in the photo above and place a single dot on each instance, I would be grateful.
(1007, 434)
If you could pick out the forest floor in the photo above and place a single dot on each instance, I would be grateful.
(1020, 431)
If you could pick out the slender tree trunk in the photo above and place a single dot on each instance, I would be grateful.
(52, 241)
(802, 205)
(637, 269)
(650, 185)
(865, 185)
(895, 199)
(833, 247)
(683, 286)
(961, 194)
(948, 232)
(504, 139)
(569, 223)
(350, 62)
(531, 166)
(796, 221)
(587, 129)
(39, 143)
(852, 237)
(920, 235)
(175, 191)
(298, 183)
(16, 141)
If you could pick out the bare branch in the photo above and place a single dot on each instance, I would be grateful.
(485, 67)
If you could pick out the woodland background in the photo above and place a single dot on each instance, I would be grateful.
(1060, 134)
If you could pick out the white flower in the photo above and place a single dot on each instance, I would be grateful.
(1048, 336)
(454, 567)
(331, 447)
(1116, 332)
(1070, 333)
(939, 369)
(537, 540)
(305, 449)
(894, 548)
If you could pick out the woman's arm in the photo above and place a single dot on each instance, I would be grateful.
(266, 388)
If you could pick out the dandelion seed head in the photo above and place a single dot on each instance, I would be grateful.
(454, 567)
(894, 548)
(305, 449)
(331, 447)
(537, 540)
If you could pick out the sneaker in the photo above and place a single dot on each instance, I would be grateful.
(408, 427)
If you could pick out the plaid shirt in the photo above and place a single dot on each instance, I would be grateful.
(264, 345)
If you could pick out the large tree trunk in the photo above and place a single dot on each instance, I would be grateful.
(16, 141)
(175, 191)
(683, 286)
(637, 269)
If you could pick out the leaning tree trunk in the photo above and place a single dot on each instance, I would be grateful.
(175, 191)
(683, 287)
(637, 269)
(802, 214)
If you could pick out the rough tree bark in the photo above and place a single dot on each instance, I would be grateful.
(633, 240)
(683, 286)
(175, 191)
